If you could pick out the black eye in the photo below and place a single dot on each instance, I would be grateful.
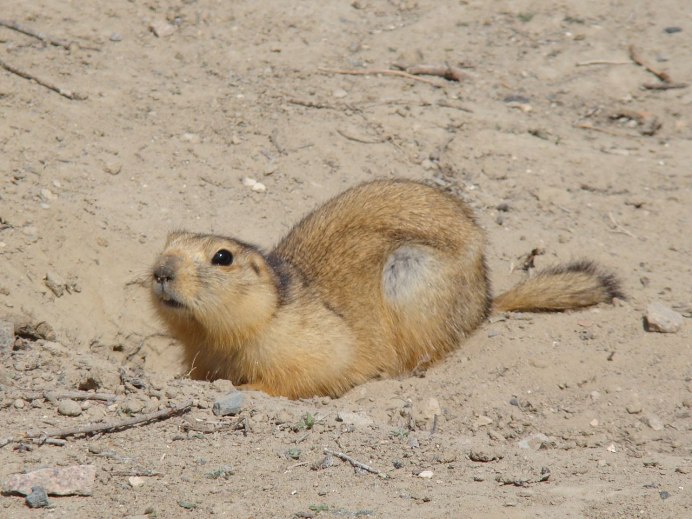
(222, 258)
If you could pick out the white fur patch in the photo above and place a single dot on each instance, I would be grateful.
(405, 273)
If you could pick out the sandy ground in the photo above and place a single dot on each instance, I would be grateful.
(551, 136)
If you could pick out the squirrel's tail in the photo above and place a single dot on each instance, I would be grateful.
(573, 285)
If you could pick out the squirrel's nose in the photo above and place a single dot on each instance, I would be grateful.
(165, 271)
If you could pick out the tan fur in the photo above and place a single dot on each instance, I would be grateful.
(384, 278)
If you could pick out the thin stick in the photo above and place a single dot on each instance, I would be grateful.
(93, 429)
(380, 71)
(79, 395)
(39, 36)
(618, 227)
(65, 93)
(634, 56)
(355, 463)
(602, 62)
(53, 395)
(664, 86)
(447, 72)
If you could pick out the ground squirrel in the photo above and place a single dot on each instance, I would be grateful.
(386, 277)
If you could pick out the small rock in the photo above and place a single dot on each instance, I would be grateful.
(38, 498)
(68, 407)
(483, 456)
(259, 187)
(47, 195)
(230, 404)
(611, 448)
(190, 137)
(135, 481)
(112, 167)
(428, 474)
(660, 318)
(19, 404)
(55, 283)
(132, 406)
(359, 419)
(672, 30)
(6, 336)
(593, 423)
(634, 408)
(56, 481)
(482, 421)
(413, 442)
(534, 441)
(654, 422)
(221, 384)
(249, 181)
(161, 28)
(339, 93)
(538, 363)
(116, 37)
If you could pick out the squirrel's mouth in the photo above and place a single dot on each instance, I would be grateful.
(166, 298)
(172, 303)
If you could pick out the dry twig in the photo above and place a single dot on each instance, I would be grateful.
(355, 463)
(663, 86)
(52, 395)
(667, 81)
(619, 228)
(379, 71)
(43, 37)
(601, 62)
(69, 94)
(444, 71)
(101, 428)
(34, 34)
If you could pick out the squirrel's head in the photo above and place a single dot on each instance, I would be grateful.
(222, 284)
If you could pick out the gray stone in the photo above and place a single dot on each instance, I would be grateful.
(660, 318)
(6, 336)
(231, 404)
(69, 407)
(38, 498)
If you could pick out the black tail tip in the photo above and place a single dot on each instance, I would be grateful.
(607, 279)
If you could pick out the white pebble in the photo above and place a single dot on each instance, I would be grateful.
(426, 474)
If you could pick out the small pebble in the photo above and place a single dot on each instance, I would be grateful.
(221, 384)
(634, 408)
(259, 187)
(672, 30)
(68, 407)
(339, 93)
(428, 474)
(654, 422)
(132, 406)
(660, 318)
(116, 37)
(112, 167)
(135, 481)
(19, 404)
(48, 195)
(161, 28)
(230, 404)
(38, 498)
(482, 421)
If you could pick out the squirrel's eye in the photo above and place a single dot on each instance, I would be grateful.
(222, 258)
